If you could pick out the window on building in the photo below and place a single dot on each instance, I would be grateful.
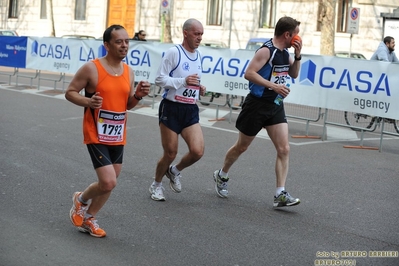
(80, 9)
(215, 12)
(267, 17)
(43, 9)
(13, 9)
(342, 14)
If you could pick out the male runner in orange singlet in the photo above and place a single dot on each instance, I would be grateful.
(109, 92)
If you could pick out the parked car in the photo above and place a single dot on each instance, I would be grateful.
(214, 44)
(255, 43)
(72, 36)
(8, 33)
(353, 55)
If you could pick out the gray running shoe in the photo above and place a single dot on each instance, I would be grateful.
(221, 185)
(174, 183)
(285, 199)
(157, 192)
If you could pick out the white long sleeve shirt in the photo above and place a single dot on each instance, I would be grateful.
(177, 64)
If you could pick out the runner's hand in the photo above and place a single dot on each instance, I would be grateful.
(96, 101)
(143, 88)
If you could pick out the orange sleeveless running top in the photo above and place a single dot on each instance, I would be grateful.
(107, 125)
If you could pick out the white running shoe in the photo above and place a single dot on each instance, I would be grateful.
(285, 199)
(157, 192)
(221, 185)
(174, 183)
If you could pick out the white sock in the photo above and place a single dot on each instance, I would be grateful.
(88, 215)
(157, 184)
(80, 199)
(223, 174)
(174, 170)
(279, 190)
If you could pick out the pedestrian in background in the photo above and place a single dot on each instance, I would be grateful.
(140, 36)
(385, 51)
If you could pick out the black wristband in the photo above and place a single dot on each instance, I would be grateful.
(137, 98)
(298, 58)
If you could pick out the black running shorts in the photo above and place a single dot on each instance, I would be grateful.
(102, 155)
(257, 114)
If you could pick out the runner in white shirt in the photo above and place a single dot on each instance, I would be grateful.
(178, 64)
(179, 75)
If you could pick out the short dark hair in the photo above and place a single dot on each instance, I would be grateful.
(285, 24)
(107, 32)
(388, 39)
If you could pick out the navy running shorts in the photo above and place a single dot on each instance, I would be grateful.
(178, 116)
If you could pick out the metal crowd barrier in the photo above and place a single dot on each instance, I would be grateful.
(60, 79)
(37, 74)
(10, 75)
(375, 122)
(307, 114)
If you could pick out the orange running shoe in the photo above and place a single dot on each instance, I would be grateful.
(91, 226)
(78, 210)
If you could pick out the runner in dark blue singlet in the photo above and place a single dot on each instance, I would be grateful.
(267, 73)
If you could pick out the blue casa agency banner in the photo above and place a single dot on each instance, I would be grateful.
(61, 54)
(363, 86)
(13, 51)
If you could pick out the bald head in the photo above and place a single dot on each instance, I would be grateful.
(192, 33)
(190, 23)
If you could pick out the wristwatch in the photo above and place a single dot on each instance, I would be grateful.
(298, 58)
(137, 98)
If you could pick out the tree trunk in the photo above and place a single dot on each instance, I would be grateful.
(327, 19)
(52, 19)
(167, 35)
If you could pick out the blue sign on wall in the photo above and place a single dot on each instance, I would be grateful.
(13, 51)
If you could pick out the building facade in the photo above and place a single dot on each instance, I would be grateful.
(226, 22)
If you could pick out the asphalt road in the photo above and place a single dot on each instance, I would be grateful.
(349, 197)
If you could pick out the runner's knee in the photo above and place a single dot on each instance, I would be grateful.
(283, 150)
(196, 154)
(107, 186)
(170, 155)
